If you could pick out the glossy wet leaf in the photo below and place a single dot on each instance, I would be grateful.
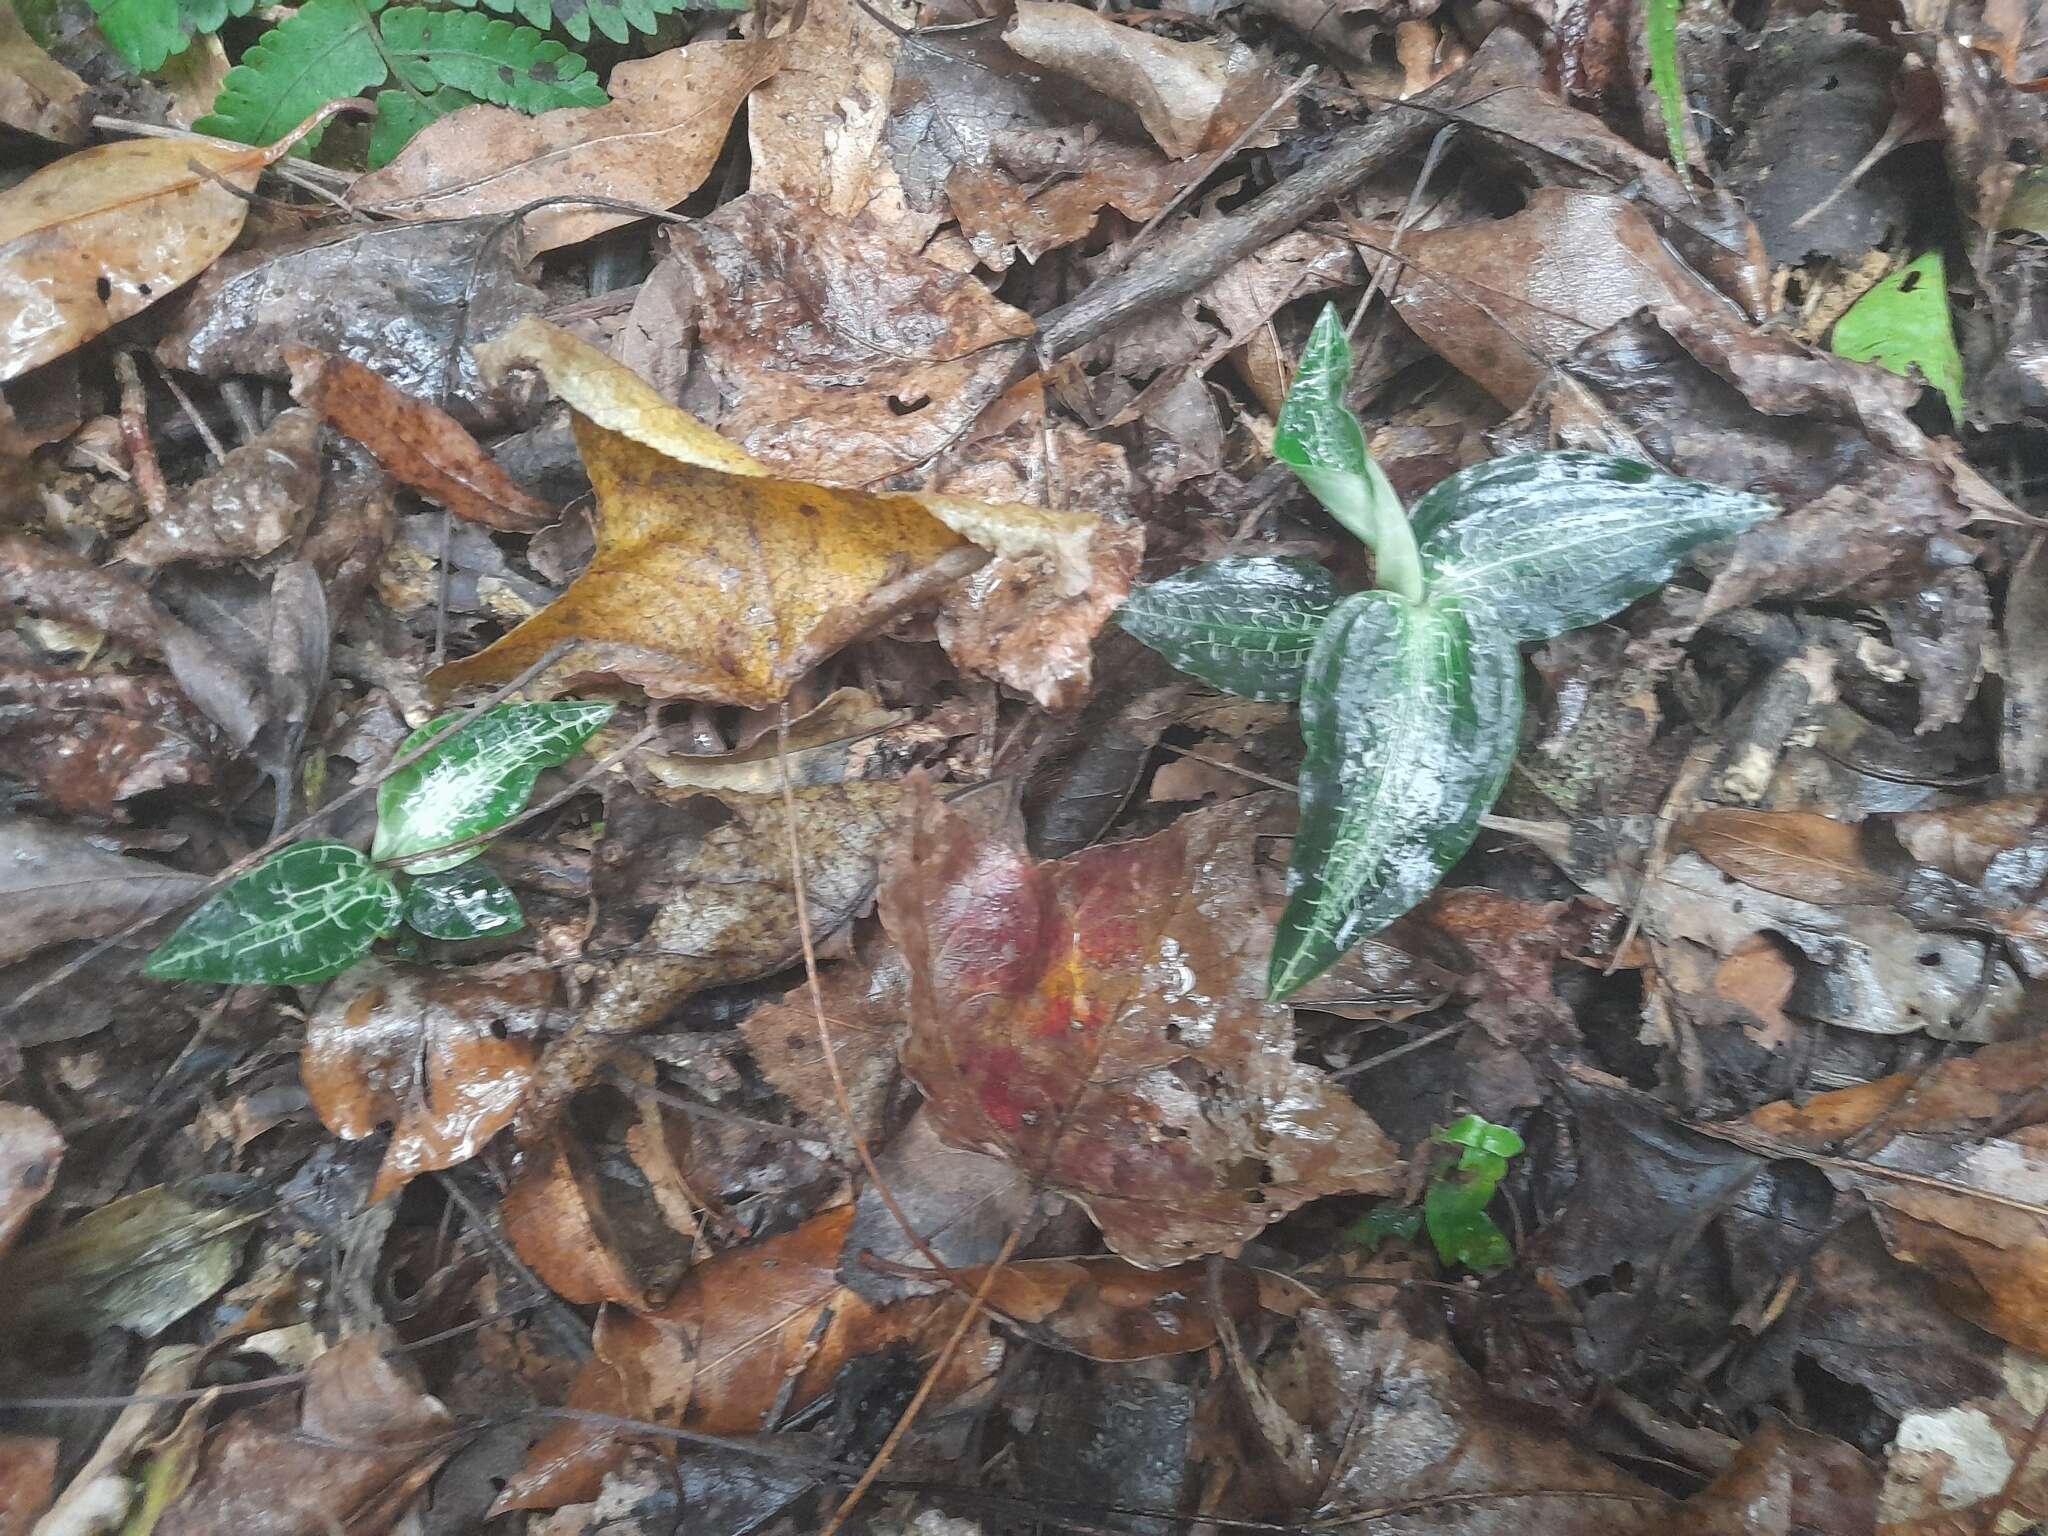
(1904, 324)
(1321, 441)
(1539, 543)
(1411, 714)
(477, 779)
(1245, 626)
(305, 915)
(1454, 1208)
(1101, 1024)
(472, 902)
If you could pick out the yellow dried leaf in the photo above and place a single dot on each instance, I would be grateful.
(714, 579)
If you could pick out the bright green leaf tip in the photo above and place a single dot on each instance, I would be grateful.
(1904, 325)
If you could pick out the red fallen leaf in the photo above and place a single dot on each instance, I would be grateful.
(444, 1056)
(418, 442)
(1102, 1023)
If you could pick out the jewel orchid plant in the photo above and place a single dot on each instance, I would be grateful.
(1411, 693)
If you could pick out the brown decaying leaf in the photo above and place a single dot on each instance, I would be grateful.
(766, 1328)
(56, 884)
(1391, 1417)
(408, 300)
(28, 1477)
(844, 358)
(261, 495)
(963, 1204)
(652, 145)
(106, 232)
(1800, 854)
(1102, 1023)
(1504, 299)
(30, 1150)
(37, 94)
(815, 130)
(1189, 96)
(1971, 1139)
(350, 1458)
(1001, 214)
(694, 891)
(443, 1056)
(555, 1220)
(866, 1003)
(1785, 1481)
(89, 741)
(420, 444)
(715, 580)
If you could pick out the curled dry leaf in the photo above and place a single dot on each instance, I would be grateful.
(653, 145)
(57, 884)
(408, 300)
(715, 580)
(349, 1458)
(104, 233)
(1954, 1164)
(30, 1150)
(420, 444)
(261, 495)
(442, 1056)
(1102, 1023)
(1189, 96)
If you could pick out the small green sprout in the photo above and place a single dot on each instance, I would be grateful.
(1454, 1206)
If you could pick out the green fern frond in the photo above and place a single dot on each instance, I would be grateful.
(616, 19)
(146, 32)
(401, 114)
(337, 48)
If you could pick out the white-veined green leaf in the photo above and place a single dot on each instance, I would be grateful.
(1545, 542)
(477, 779)
(305, 915)
(1245, 626)
(472, 902)
(1411, 713)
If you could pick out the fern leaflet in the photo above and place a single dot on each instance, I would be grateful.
(616, 19)
(146, 32)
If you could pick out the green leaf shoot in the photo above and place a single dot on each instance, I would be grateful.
(1411, 713)
(305, 915)
(1903, 324)
(1454, 1208)
(1321, 441)
(472, 902)
(145, 33)
(1660, 33)
(1245, 626)
(1546, 542)
(474, 781)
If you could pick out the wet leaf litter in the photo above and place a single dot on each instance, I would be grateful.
(916, 767)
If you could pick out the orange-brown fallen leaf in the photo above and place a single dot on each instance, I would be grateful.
(442, 1056)
(30, 1150)
(105, 233)
(419, 443)
(347, 1460)
(1102, 1024)
(1954, 1163)
(765, 1329)
(555, 1218)
(1800, 854)
(652, 145)
(716, 580)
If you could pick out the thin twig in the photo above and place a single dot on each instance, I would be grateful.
(149, 475)
(199, 425)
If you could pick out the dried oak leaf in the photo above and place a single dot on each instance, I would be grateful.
(363, 1443)
(30, 1150)
(420, 444)
(652, 145)
(716, 580)
(1101, 1023)
(1954, 1164)
(261, 495)
(443, 1056)
(408, 300)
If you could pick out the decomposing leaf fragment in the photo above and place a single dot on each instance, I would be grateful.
(715, 580)
(56, 884)
(1101, 1023)
(443, 1056)
(30, 1150)
(417, 442)
(1800, 854)
(262, 493)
